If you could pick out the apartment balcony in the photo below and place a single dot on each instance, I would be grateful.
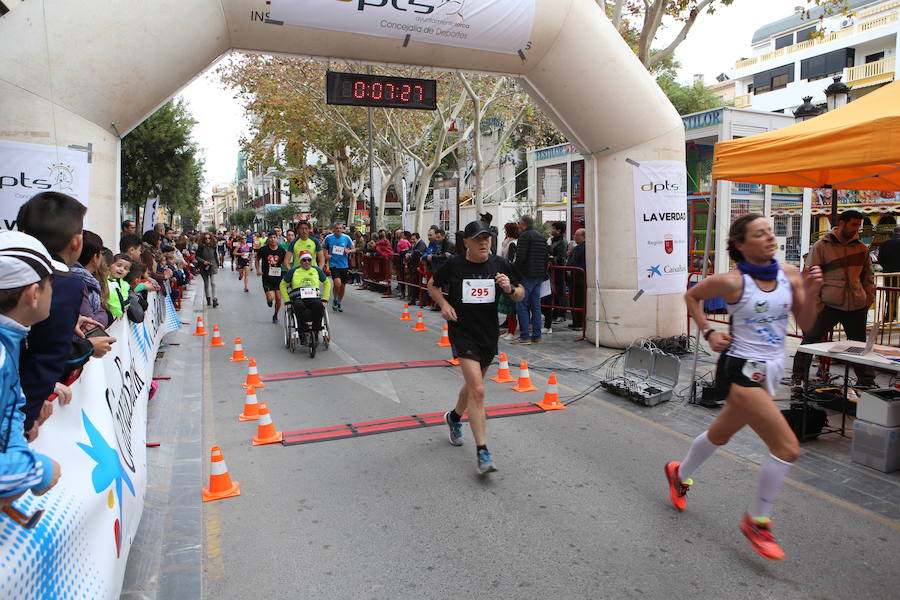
(744, 101)
(834, 36)
(871, 73)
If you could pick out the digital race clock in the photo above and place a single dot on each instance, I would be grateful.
(355, 89)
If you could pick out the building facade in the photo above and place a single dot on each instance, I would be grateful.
(797, 56)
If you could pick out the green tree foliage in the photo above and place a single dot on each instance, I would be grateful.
(160, 159)
(242, 219)
(688, 99)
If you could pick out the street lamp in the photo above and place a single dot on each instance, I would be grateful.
(837, 94)
(806, 111)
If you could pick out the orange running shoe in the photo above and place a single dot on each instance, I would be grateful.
(761, 538)
(677, 488)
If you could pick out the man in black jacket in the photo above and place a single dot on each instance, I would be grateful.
(577, 259)
(531, 263)
(889, 259)
(558, 250)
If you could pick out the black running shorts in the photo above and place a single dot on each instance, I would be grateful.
(466, 347)
(243, 262)
(740, 371)
(342, 274)
(271, 284)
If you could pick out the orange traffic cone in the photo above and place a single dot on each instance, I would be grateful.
(216, 338)
(551, 397)
(265, 431)
(405, 316)
(238, 354)
(220, 484)
(503, 374)
(200, 330)
(454, 362)
(445, 341)
(420, 325)
(253, 376)
(251, 408)
(524, 384)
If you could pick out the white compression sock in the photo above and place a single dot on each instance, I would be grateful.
(772, 475)
(701, 449)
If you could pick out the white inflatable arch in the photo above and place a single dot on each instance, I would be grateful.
(82, 73)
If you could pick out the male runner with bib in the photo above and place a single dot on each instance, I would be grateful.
(475, 281)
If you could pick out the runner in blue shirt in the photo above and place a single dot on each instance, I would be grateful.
(337, 246)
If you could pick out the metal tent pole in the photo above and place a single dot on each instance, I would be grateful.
(710, 214)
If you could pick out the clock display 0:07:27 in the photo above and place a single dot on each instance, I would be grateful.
(357, 89)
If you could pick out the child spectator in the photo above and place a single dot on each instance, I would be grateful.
(25, 296)
(89, 267)
(118, 287)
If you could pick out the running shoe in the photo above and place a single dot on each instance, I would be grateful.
(340, 308)
(334, 303)
(246, 290)
(485, 462)
(758, 531)
(509, 337)
(456, 438)
(269, 303)
(677, 489)
(274, 318)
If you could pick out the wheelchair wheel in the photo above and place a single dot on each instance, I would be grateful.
(313, 342)
(326, 332)
(289, 341)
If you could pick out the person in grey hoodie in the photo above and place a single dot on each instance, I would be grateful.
(847, 293)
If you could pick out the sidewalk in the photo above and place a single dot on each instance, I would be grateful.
(824, 464)
(165, 557)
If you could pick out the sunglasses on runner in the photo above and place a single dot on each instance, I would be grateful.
(305, 260)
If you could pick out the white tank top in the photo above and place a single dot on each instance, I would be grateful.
(759, 320)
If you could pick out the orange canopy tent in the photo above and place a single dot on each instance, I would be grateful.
(854, 147)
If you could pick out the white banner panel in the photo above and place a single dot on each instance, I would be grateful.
(27, 169)
(80, 546)
(661, 223)
(494, 25)
(151, 207)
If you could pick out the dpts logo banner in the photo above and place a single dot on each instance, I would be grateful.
(80, 546)
(27, 169)
(661, 226)
(494, 25)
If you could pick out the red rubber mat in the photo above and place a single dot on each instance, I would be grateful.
(350, 370)
(350, 430)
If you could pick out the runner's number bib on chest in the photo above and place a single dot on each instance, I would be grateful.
(309, 292)
(337, 250)
(274, 271)
(478, 291)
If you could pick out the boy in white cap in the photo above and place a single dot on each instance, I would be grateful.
(25, 293)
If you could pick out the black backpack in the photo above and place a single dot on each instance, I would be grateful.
(816, 420)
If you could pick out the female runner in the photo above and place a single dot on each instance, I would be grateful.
(760, 295)
(243, 252)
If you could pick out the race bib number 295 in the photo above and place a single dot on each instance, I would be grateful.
(478, 291)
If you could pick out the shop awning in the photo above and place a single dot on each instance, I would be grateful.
(856, 147)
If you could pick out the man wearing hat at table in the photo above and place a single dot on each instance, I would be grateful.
(475, 280)
(25, 294)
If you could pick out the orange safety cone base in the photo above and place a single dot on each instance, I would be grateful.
(275, 439)
(216, 342)
(233, 359)
(552, 405)
(423, 329)
(234, 491)
(443, 344)
(243, 417)
(258, 384)
(200, 332)
(503, 378)
(527, 388)
(454, 362)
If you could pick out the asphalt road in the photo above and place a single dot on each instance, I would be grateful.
(578, 508)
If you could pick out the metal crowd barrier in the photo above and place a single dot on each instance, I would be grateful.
(376, 270)
(569, 277)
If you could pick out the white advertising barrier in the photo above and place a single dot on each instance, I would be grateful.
(27, 169)
(80, 546)
(494, 25)
(661, 226)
